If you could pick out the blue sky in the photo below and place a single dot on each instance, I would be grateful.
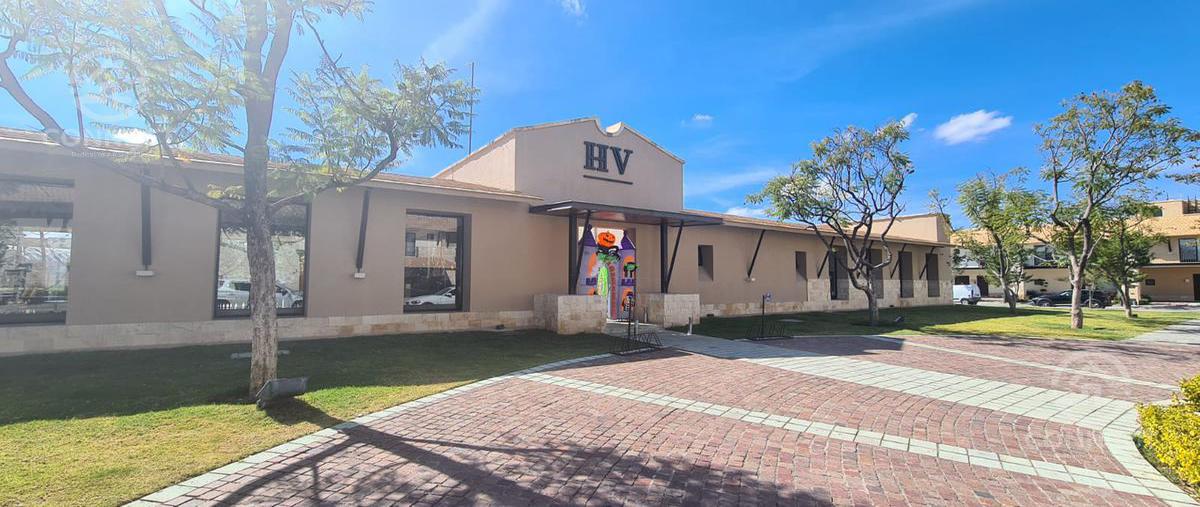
(740, 89)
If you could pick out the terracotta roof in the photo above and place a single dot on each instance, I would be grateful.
(1178, 225)
(797, 227)
(1169, 226)
(233, 162)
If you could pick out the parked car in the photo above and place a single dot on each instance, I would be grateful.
(968, 294)
(235, 294)
(1091, 299)
(446, 296)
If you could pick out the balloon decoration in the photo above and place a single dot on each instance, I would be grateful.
(609, 269)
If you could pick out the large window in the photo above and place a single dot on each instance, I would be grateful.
(289, 238)
(704, 260)
(432, 262)
(802, 274)
(876, 256)
(1042, 255)
(933, 279)
(1188, 250)
(35, 249)
(839, 278)
(906, 275)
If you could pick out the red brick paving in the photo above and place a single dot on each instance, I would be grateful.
(1154, 362)
(524, 443)
(761, 388)
(935, 360)
(520, 442)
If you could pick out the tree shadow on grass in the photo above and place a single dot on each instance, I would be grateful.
(368, 466)
(124, 382)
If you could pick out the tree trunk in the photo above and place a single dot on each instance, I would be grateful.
(1126, 301)
(1077, 297)
(872, 303)
(1125, 276)
(1011, 298)
(264, 345)
(260, 253)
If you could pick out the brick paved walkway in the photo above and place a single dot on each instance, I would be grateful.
(805, 421)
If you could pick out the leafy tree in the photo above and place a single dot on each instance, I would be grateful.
(848, 194)
(202, 75)
(1123, 247)
(1001, 216)
(1188, 177)
(1103, 148)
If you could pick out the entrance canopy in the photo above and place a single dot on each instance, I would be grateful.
(605, 212)
(572, 210)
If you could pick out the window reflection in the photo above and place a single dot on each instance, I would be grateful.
(289, 233)
(431, 261)
(35, 249)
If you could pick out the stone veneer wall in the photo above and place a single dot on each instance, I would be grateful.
(818, 293)
(56, 338)
(570, 314)
(563, 314)
(669, 310)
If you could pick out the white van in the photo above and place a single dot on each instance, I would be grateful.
(967, 294)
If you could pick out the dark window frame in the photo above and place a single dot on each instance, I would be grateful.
(460, 267)
(838, 282)
(219, 314)
(706, 268)
(933, 275)
(52, 208)
(875, 256)
(801, 260)
(1195, 250)
(906, 274)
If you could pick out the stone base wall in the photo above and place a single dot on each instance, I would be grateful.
(570, 314)
(818, 293)
(34, 339)
(669, 310)
(563, 314)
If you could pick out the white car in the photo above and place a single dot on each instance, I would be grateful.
(235, 295)
(446, 296)
(967, 294)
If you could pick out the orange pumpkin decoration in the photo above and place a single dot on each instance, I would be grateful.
(606, 239)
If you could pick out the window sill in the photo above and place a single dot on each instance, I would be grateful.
(434, 310)
(237, 316)
(33, 323)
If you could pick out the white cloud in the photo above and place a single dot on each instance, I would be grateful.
(908, 120)
(135, 136)
(699, 120)
(465, 33)
(574, 8)
(705, 185)
(971, 126)
(746, 211)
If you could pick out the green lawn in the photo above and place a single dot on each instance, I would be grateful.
(101, 428)
(962, 320)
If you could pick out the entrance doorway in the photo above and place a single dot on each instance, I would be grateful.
(1196, 287)
(609, 268)
(981, 282)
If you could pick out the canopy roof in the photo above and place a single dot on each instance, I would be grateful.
(606, 212)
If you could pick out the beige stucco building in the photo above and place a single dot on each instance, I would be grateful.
(1173, 274)
(92, 260)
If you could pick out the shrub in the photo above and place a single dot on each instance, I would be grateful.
(1190, 394)
(1172, 432)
